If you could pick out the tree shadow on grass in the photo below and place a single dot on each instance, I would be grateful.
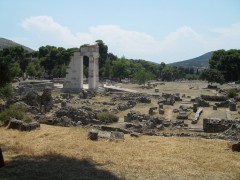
(52, 166)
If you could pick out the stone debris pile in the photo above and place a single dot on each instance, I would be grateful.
(125, 106)
(141, 98)
(78, 116)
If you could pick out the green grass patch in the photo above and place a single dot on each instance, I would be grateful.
(107, 117)
(15, 111)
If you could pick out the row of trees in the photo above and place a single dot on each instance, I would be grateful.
(51, 61)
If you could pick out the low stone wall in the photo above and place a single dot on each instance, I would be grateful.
(23, 126)
(214, 125)
(213, 98)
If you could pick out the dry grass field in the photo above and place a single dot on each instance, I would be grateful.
(65, 153)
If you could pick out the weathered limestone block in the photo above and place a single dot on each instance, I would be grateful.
(182, 115)
(229, 116)
(151, 112)
(15, 124)
(29, 126)
(161, 111)
(111, 135)
(232, 106)
(22, 126)
(93, 134)
(197, 115)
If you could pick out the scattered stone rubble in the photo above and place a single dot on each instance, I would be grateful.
(141, 98)
(71, 116)
(125, 106)
(25, 87)
(213, 98)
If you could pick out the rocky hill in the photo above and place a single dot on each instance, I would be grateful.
(198, 62)
(8, 43)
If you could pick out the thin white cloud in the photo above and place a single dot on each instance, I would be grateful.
(181, 44)
(228, 37)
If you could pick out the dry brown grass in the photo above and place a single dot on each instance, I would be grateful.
(66, 153)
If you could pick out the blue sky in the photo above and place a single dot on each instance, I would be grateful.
(154, 30)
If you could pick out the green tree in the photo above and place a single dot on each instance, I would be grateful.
(142, 76)
(8, 70)
(121, 68)
(34, 68)
(227, 62)
(103, 53)
(212, 75)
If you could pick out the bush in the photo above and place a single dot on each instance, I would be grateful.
(232, 93)
(7, 92)
(107, 117)
(15, 111)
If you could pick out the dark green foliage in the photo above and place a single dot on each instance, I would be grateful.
(212, 75)
(142, 76)
(14, 111)
(232, 93)
(34, 68)
(103, 52)
(8, 70)
(107, 117)
(121, 68)
(7, 92)
(53, 61)
(227, 62)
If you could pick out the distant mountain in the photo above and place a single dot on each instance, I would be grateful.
(8, 43)
(198, 62)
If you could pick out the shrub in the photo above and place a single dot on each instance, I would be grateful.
(7, 92)
(107, 117)
(232, 93)
(15, 111)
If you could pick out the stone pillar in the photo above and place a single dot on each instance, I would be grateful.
(91, 74)
(96, 71)
(76, 71)
(81, 71)
(74, 75)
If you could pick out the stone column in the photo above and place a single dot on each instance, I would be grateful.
(96, 71)
(81, 72)
(91, 74)
(76, 78)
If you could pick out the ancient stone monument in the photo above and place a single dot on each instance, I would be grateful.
(74, 77)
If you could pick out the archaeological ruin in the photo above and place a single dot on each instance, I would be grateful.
(74, 77)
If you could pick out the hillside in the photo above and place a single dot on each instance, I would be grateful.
(8, 43)
(198, 62)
